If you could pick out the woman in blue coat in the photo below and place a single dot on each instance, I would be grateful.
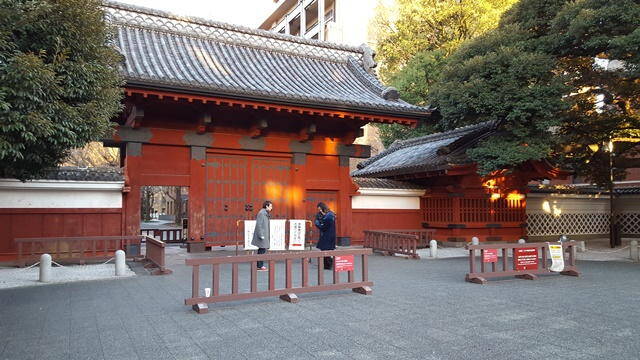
(326, 223)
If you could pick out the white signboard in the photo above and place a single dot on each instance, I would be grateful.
(277, 229)
(249, 228)
(557, 257)
(296, 234)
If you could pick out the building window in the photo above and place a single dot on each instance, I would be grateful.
(294, 26)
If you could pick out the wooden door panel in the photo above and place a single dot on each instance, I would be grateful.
(226, 178)
(271, 180)
(328, 197)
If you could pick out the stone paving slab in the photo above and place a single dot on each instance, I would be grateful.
(418, 310)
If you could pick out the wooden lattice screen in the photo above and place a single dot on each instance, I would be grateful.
(474, 210)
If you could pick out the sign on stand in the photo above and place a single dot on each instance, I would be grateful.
(343, 263)
(490, 255)
(249, 228)
(557, 257)
(277, 230)
(296, 234)
(525, 258)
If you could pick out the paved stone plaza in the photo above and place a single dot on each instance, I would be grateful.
(419, 310)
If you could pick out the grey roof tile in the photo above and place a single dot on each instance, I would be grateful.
(373, 183)
(427, 153)
(72, 173)
(192, 54)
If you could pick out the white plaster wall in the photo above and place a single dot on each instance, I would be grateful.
(628, 203)
(568, 203)
(388, 199)
(60, 194)
(385, 202)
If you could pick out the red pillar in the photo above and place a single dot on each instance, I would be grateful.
(344, 202)
(197, 192)
(132, 172)
(298, 190)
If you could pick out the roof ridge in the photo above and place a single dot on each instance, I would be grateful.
(444, 134)
(399, 144)
(231, 27)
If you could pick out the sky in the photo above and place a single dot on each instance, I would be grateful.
(241, 12)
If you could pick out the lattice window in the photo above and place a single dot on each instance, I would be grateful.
(567, 224)
(629, 223)
(438, 209)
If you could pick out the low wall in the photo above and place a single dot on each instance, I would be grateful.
(51, 208)
(380, 219)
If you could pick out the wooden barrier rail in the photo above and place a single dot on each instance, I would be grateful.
(288, 292)
(424, 235)
(155, 254)
(509, 268)
(74, 249)
(390, 243)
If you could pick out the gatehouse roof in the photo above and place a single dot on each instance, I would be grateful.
(170, 52)
(434, 152)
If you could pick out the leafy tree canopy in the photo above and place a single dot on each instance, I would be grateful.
(59, 83)
(415, 40)
(559, 75)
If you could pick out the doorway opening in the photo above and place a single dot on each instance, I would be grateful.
(164, 213)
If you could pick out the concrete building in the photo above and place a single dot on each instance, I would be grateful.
(339, 21)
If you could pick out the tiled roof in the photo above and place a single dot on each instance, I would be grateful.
(427, 153)
(166, 51)
(83, 174)
(591, 189)
(373, 183)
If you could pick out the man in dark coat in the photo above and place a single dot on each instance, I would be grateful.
(326, 222)
(261, 232)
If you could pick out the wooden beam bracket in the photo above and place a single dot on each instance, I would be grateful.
(259, 128)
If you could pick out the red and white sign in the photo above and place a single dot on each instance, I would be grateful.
(343, 263)
(525, 258)
(490, 255)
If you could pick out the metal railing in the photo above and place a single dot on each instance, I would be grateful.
(533, 266)
(289, 291)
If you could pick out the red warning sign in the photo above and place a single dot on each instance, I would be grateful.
(343, 263)
(490, 255)
(525, 258)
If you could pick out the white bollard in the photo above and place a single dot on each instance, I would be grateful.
(433, 248)
(45, 268)
(521, 241)
(120, 264)
(475, 241)
(633, 248)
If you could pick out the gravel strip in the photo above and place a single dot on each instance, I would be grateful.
(12, 277)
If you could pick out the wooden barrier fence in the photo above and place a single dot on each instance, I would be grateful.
(74, 249)
(155, 254)
(289, 291)
(533, 267)
(405, 242)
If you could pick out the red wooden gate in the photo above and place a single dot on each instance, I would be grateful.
(236, 187)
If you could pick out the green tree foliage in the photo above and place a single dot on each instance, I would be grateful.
(425, 25)
(545, 75)
(59, 84)
(415, 40)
